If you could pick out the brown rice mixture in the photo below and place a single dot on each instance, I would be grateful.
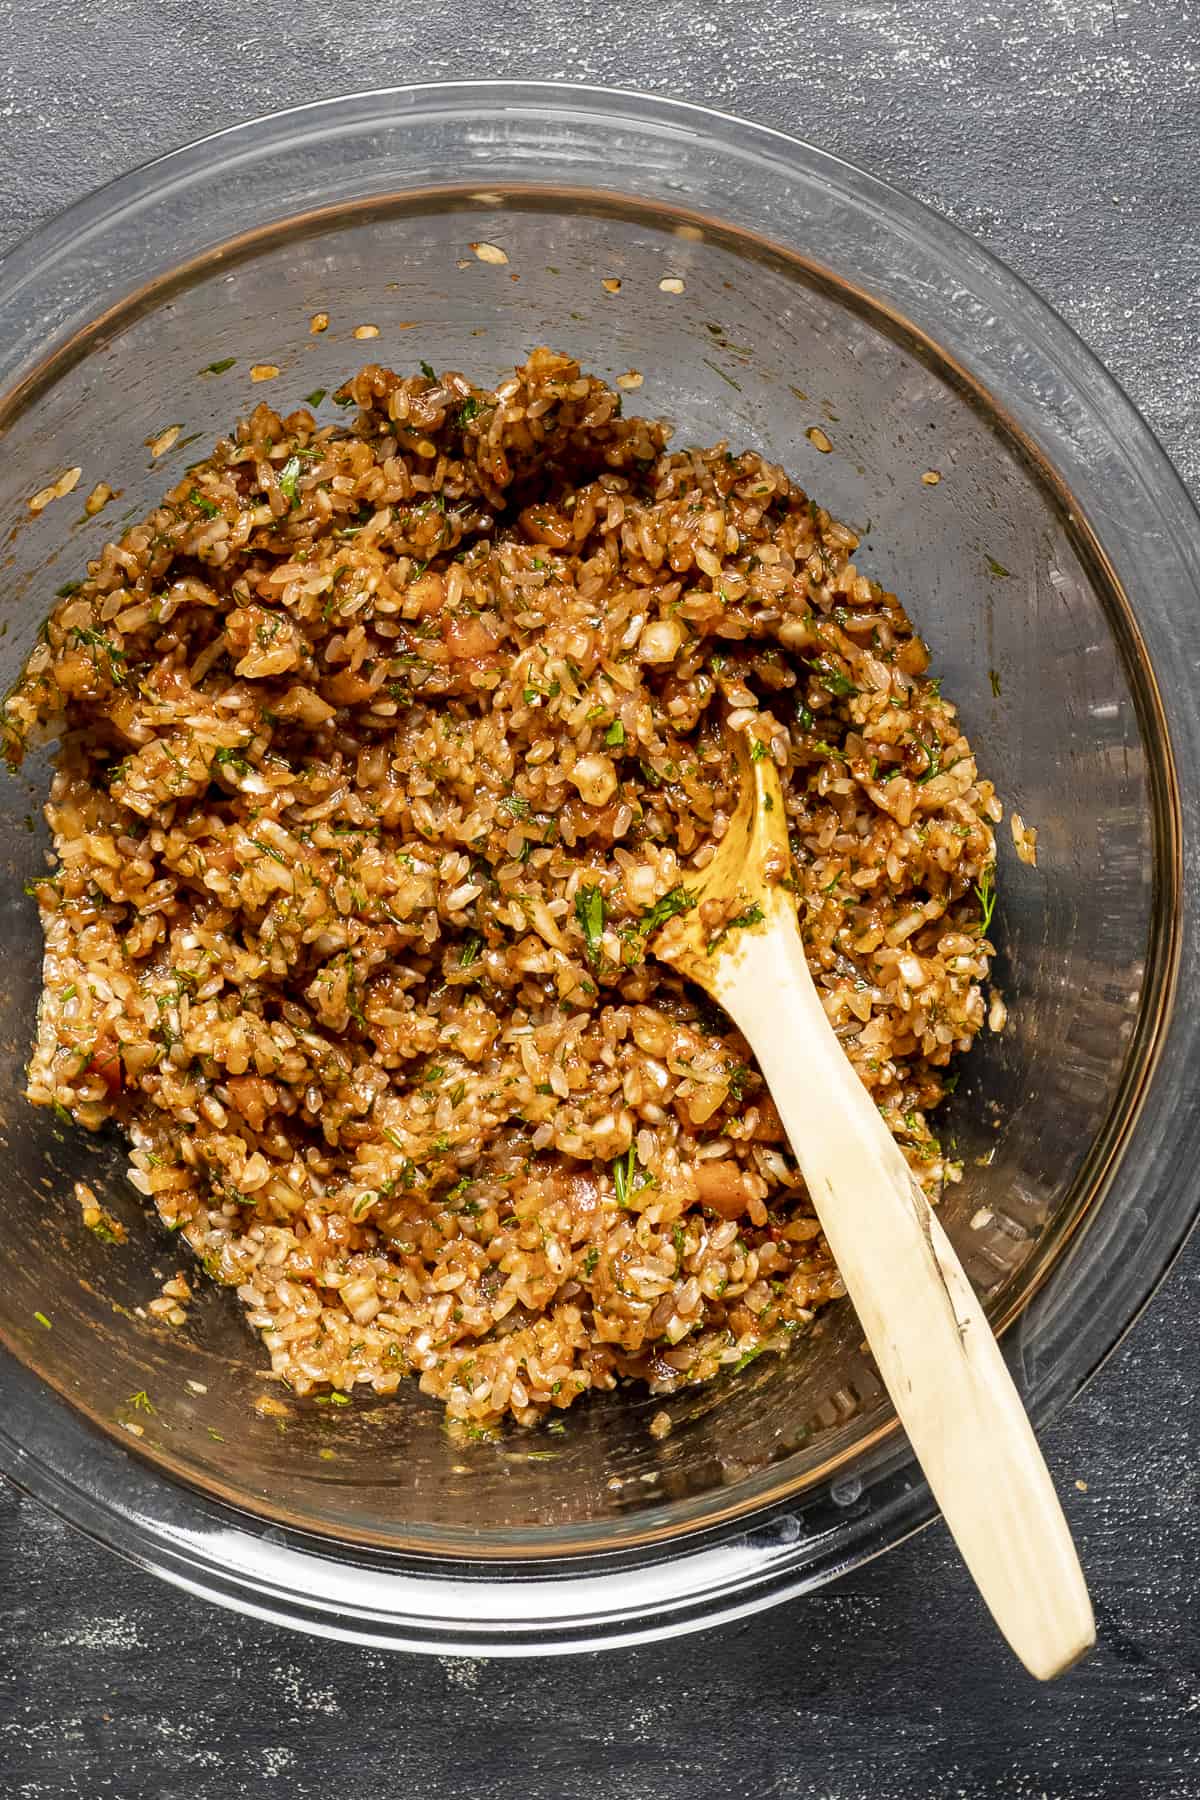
(383, 746)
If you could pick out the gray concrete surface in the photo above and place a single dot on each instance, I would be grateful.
(1066, 135)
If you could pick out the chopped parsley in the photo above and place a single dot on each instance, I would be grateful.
(624, 1174)
(590, 912)
(738, 1080)
(752, 915)
(614, 737)
(316, 397)
(288, 477)
(231, 759)
(985, 893)
(219, 368)
(997, 568)
(834, 680)
(427, 371)
(677, 901)
(590, 1260)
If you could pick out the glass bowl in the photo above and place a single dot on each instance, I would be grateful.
(766, 289)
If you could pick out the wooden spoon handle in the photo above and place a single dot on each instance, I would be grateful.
(934, 1348)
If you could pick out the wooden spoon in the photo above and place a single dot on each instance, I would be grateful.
(739, 940)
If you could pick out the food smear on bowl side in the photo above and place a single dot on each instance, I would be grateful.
(383, 747)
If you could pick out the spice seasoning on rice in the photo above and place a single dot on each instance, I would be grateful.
(384, 748)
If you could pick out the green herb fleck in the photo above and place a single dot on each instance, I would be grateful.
(985, 893)
(934, 753)
(42, 1320)
(269, 850)
(427, 371)
(623, 1175)
(590, 1260)
(614, 737)
(753, 915)
(228, 758)
(472, 946)
(994, 678)
(590, 912)
(140, 1402)
(677, 901)
(316, 397)
(97, 641)
(738, 1080)
(997, 568)
(219, 368)
(288, 477)
(834, 680)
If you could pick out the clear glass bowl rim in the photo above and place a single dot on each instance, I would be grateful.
(423, 1604)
